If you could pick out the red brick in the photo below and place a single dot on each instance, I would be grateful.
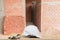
(14, 24)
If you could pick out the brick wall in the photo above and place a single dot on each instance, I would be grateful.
(14, 20)
(50, 17)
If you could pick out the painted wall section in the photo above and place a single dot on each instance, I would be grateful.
(1, 16)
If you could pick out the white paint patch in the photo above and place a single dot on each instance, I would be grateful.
(31, 30)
